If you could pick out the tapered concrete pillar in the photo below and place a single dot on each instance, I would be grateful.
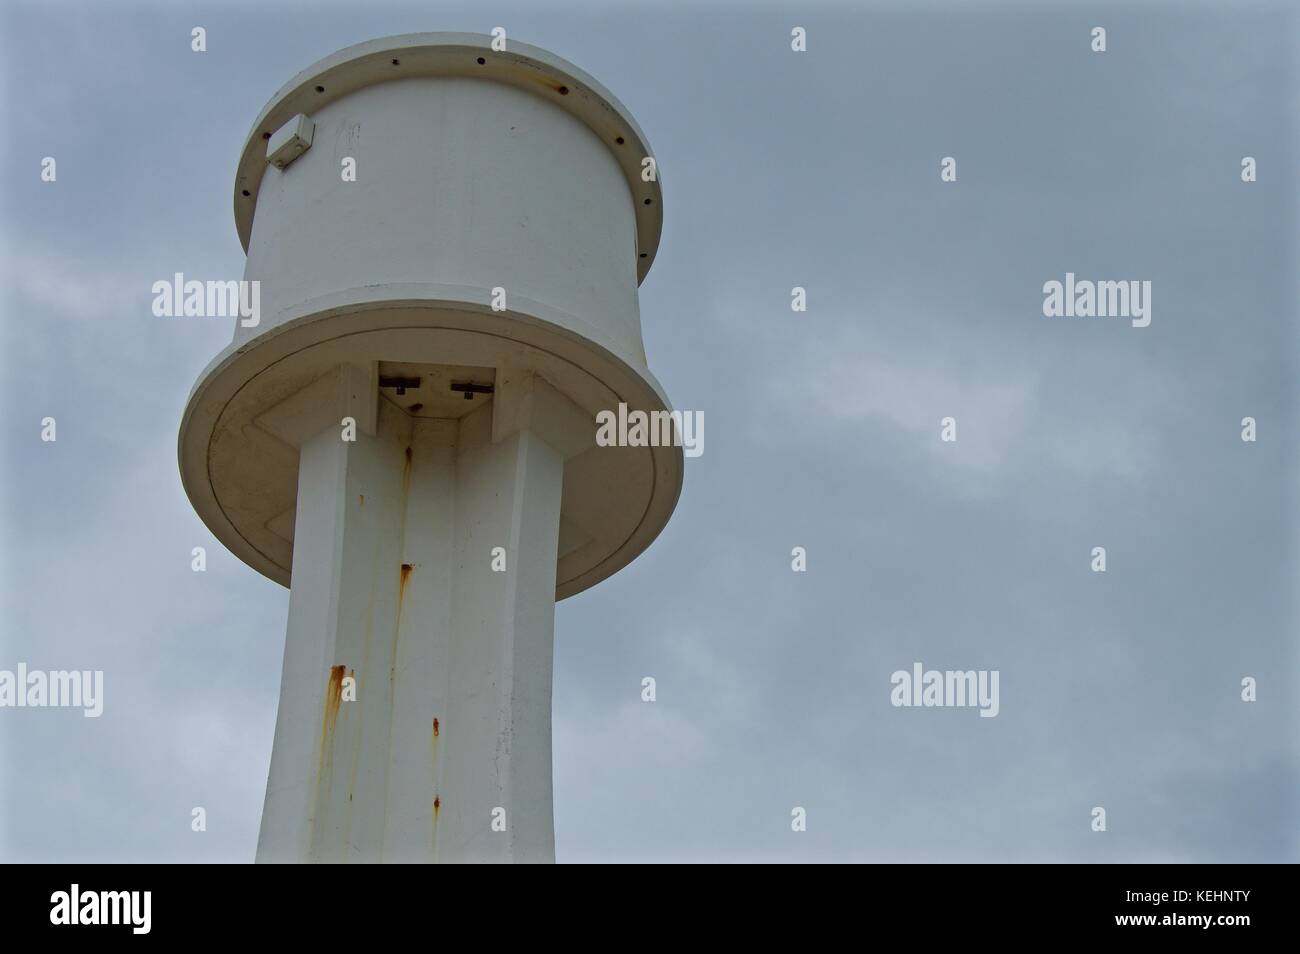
(448, 240)
(415, 706)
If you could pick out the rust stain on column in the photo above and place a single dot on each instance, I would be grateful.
(333, 696)
(437, 800)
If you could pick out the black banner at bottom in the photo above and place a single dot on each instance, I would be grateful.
(1221, 903)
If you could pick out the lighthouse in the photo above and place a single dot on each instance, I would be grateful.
(447, 233)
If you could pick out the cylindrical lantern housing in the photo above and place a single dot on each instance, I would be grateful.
(426, 208)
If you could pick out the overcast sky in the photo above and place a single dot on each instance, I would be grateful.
(820, 169)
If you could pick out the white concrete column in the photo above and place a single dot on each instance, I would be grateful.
(498, 734)
(325, 792)
(394, 587)
(424, 639)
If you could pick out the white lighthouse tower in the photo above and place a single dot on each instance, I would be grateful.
(448, 240)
